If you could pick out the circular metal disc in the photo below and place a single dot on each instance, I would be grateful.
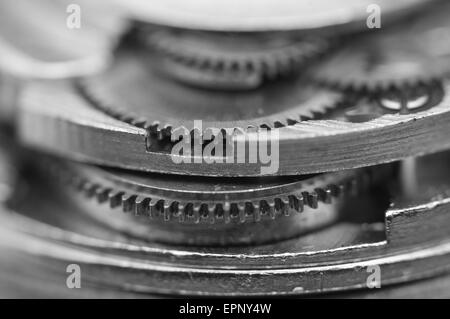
(265, 15)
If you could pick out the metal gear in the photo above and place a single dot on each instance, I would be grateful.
(406, 55)
(133, 92)
(211, 200)
(408, 99)
(340, 253)
(138, 216)
(230, 60)
(212, 211)
(75, 129)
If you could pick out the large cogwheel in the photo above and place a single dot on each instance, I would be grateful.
(134, 92)
(341, 139)
(230, 60)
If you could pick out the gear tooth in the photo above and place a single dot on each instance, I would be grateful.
(204, 211)
(174, 209)
(115, 199)
(291, 121)
(189, 211)
(286, 207)
(272, 209)
(211, 213)
(227, 212)
(316, 114)
(181, 212)
(313, 200)
(278, 205)
(284, 199)
(293, 203)
(334, 190)
(305, 196)
(128, 203)
(234, 211)
(264, 207)
(167, 211)
(102, 194)
(220, 65)
(206, 64)
(278, 124)
(241, 212)
(256, 211)
(323, 194)
(196, 211)
(167, 131)
(219, 213)
(153, 128)
(89, 189)
(139, 122)
(301, 202)
(305, 118)
(328, 196)
(249, 210)
(153, 205)
(142, 206)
